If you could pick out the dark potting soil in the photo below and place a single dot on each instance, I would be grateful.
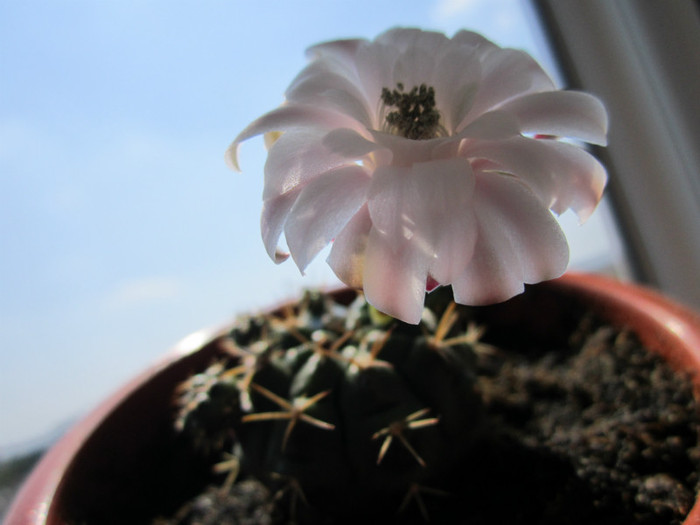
(600, 432)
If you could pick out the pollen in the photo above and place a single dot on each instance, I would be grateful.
(415, 116)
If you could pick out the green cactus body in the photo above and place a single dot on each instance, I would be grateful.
(356, 414)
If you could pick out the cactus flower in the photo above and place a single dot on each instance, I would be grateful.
(427, 161)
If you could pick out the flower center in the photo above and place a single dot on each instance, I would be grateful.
(415, 116)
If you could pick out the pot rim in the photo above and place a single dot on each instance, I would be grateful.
(660, 323)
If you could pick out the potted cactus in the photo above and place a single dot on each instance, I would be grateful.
(148, 454)
(433, 165)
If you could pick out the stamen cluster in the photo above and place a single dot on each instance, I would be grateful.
(416, 117)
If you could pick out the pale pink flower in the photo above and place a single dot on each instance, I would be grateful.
(427, 161)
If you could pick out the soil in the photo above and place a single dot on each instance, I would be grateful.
(596, 431)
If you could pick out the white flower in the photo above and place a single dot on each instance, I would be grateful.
(427, 160)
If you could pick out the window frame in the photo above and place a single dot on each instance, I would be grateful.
(643, 60)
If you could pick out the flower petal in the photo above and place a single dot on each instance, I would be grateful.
(475, 41)
(400, 151)
(289, 117)
(415, 64)
(347, 257)
(375, 68)
(506, 73)
(394, 277)
(323, 208)
(339, 49)
(297, 157)
(274, 214)
(494, 125)
(329, 84)
(455, 79)
(562, 175)
(583, 184)
(445, 214)
(571, 114)
(349, 144)
(409, 38)
(519, 241)
(429, 206)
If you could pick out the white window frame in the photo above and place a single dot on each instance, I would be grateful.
(642, 58)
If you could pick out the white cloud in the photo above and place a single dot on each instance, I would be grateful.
(18, 139)
(142, 291)
(502, 21)
(444, 10)
(67, 199)
(506, 17)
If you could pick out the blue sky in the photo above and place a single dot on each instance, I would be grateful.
(121, 229)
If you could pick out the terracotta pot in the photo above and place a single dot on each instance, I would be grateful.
(115, 457)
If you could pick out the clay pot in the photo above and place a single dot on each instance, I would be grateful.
(122, 455)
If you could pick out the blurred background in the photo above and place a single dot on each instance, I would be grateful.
(121, 229)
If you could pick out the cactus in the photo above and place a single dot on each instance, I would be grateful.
(341, 409)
